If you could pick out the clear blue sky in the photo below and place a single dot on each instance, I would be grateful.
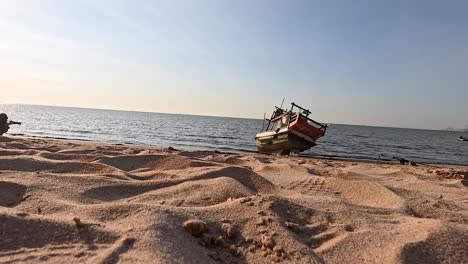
(390, 63)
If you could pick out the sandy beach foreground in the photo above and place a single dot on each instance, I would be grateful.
(81, 202)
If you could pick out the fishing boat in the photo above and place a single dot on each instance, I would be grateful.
(289, 131)
(463, 138)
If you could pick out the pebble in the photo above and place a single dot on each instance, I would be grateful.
(245, 200)
(293, 227)
(206, 197)
(251, 248)
(195, 227)
(249, 239)
(22, 214)
(278, 250)
(79, 254)
(261, 221)
(349, 228)
(229, 230)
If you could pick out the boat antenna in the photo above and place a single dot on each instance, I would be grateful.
(263, 125)
(282, 103)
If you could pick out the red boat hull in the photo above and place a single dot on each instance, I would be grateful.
(301, 126)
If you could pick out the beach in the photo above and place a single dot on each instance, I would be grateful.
(69, 201)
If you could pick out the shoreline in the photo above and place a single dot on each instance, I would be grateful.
(82, 201)
(245, 151)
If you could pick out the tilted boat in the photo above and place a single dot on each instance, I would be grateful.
(289, 131)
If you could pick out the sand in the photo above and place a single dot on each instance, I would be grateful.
(65, 201)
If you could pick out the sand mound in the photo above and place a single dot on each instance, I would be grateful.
(10, 152)
(196, 154)
(197, 193)
(306, 181)
(152, 162)
(118, 192)
(245, 176)
(129, 163)
(82, 168)
(5, 139)
(32, 165)
(426, 206)
(76, 157)
(24, 164)
(367, 193)
(77, 151)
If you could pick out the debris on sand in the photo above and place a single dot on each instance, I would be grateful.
(78, 222)
(245, 200)
(450, 173)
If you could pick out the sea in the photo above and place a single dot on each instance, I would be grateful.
(191, 132)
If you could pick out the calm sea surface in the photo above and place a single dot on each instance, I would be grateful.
(231, 134)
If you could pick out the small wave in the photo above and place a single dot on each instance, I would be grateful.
(209, 136)
(402, 147)
(76, 131)
(359, 136)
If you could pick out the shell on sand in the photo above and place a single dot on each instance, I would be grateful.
(74, 202)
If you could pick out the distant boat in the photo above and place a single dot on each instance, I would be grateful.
(463, 138)
(289, 131)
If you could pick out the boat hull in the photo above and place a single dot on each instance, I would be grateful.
(282, 142)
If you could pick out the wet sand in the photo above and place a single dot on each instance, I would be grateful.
(65, 201)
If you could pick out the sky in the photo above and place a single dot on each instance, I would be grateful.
(385, 63)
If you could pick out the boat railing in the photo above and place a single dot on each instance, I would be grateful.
(293, 116)
(315, 123)
(306, 112)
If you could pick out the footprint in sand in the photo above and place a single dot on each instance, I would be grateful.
(363, 193)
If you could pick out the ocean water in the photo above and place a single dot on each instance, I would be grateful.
(231, 134)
